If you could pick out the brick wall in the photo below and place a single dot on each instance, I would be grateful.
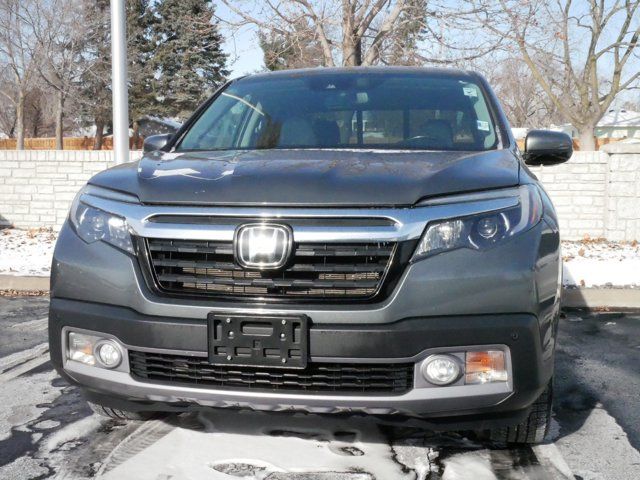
(622, 221)
(595, 193)
(578, 189)
(37, 187)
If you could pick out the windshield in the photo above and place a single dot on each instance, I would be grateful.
(345, 110)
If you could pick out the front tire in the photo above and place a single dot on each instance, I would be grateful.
(120, 414)
(532, 430)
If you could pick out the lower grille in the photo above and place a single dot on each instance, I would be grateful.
(317, 271)
(392, 379)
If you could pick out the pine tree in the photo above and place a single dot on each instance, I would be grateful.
(188, 59)
(96, 82)
(140, 52)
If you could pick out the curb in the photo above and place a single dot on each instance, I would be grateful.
(24, 284)
(616, 298)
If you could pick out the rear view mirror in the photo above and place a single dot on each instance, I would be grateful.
(545, 147)
(156, 142)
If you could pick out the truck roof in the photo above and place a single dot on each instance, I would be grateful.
(320, 71)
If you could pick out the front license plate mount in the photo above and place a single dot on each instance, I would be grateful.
(258, 340)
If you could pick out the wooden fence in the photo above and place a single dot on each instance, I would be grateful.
(69, 143)
(86, 143)
(600, 142)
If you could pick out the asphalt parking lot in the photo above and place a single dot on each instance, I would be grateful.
(47, 430)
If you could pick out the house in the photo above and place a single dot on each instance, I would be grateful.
(619, 124)
(615, 125)
(150, 125)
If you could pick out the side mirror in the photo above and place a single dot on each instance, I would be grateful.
(545, 147)
(156, 142)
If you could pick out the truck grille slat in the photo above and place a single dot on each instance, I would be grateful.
(319, 271)
(331, 267)
(316, 377)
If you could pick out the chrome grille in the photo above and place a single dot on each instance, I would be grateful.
(318, 270)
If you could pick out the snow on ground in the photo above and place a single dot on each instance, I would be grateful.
(589, 263)
(598, 263)
(26, 252)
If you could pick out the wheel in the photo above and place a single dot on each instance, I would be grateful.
(120, 414)
(534, 428)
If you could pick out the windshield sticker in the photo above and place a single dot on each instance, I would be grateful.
(469, 91)
(482, 125)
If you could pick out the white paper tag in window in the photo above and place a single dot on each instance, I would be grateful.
(470, 91)
(482, 125)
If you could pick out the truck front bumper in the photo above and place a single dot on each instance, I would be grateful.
(408, 340)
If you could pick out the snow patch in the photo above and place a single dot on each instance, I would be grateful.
(601, 264)
(26, 252)
(240, 445)
(475, 465)
(73, 433)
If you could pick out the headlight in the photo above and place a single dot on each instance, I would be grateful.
(484, 230)
(92, 224)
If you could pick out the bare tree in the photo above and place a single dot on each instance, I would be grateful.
(297, 48)
(521, 97)
(17, 44)
(347, 32)
(60, 39)
(582, 54)
(7, 108)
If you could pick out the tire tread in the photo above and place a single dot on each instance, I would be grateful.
(532, 430)
(119, 414)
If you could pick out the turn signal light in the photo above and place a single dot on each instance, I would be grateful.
(485, 367)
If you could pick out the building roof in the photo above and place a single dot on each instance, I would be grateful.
(620, 118)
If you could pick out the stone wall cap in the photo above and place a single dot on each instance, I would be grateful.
(621, 147)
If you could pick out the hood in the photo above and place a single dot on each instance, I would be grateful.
(309, 177)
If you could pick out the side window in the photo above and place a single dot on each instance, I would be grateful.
(484, 125)
(219, 127)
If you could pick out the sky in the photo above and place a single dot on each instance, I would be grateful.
(245, 55)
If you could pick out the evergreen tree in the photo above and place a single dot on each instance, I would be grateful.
(188, 60)
(96, 82)
(140, 53)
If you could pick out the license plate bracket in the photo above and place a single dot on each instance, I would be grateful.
(258, 340)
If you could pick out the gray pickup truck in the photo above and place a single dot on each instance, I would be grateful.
(364, 240)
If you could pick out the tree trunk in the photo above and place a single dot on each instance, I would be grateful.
(20, 122)
(135, 136)
(351, 44)
(59, 117)
(586, 138)
(97, 141)
(351, 52)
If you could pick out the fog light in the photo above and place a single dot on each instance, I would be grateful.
(441, 369)
(485, 367)
(80, 348)
(109, 354)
